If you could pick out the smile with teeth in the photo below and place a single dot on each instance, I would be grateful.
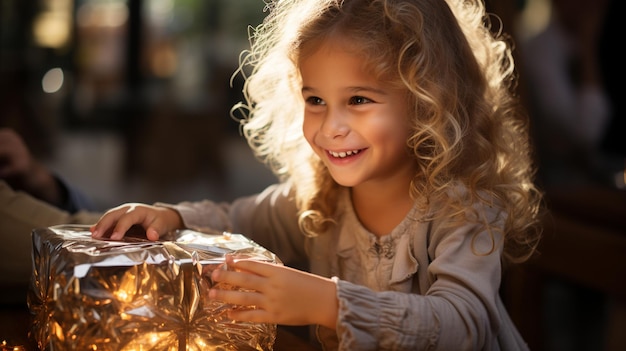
(343, 154)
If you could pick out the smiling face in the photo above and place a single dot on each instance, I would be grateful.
(355, 123)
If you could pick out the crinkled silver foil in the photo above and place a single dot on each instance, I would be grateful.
(136, 294)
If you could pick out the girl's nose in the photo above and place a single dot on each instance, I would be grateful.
(335, 124)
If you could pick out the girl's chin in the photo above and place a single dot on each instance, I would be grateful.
(344, 180)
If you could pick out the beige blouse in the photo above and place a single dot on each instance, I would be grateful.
(421, 287)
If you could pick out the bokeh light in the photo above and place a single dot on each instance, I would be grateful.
(52, 81)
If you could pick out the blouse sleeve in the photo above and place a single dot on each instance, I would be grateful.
(269, 218)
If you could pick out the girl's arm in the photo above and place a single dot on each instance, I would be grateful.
(269, 218)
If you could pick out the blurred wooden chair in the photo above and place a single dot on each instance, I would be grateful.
(584, 243)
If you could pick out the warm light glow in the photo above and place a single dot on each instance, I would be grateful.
(52, 81)
(57, 331)
(5, 347)
(52, 26)
(52, 29)
(128, 286)
(121, 295)
(147, 341)
(535, 17)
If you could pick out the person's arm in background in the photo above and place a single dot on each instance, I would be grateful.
(31, 196)
(20, 213)
(23, 172)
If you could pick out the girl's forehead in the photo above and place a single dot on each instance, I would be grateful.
(333, 53)
(329, 44)
(375, 64)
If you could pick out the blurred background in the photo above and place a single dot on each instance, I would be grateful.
(129, 100)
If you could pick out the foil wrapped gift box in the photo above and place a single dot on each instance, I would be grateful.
(135, 294)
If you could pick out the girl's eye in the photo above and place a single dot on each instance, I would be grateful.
(359, 100)
(314, 100)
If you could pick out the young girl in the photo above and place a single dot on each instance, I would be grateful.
(406, 178)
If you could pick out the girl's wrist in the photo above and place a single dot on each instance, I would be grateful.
(329, 306)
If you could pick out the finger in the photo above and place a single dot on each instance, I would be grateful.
(154, 225)
(152, 234)
(106, 223)
(260, 268)
(128, 219)
(243, 280)
(236, 297)
(114, 223)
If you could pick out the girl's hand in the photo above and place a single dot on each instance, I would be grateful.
(279, 294)
(154, 220)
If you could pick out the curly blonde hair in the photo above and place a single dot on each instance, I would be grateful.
(468, 126)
